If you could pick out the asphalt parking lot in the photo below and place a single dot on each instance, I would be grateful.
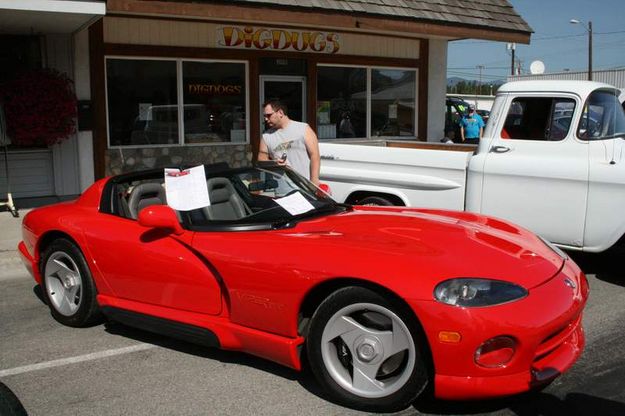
(113, 369)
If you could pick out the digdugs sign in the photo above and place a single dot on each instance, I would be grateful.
(258, 38)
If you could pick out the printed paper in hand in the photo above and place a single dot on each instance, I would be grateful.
(295, 204)
(186, 189)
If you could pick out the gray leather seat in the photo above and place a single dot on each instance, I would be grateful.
(144, 195)
(226, 204)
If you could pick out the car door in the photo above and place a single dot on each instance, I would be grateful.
(536, 171)
(151, 266)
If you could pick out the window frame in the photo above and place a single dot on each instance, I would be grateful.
(180, 98)
(368, 83)
(553, 97)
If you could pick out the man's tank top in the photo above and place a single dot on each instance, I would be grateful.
(289, 140)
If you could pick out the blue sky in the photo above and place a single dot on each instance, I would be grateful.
(558, 43)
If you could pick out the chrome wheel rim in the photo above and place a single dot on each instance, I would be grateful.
(63, 283)
(368, 350)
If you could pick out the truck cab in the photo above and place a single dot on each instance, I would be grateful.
(551, 159)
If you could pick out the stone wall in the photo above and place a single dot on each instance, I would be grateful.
(127, 160)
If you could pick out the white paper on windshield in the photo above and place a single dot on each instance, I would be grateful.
(186, 189)
(295, 204)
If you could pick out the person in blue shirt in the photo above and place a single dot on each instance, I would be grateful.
(471, 127)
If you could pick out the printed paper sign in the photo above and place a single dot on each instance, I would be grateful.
(295, 204)
(186, 189)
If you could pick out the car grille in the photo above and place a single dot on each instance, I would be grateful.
(553, 341)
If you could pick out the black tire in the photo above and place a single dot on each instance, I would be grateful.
(65, 271)
(10, 405)
(375, 200)
(339, 360)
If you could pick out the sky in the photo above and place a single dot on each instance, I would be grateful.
(556, 42)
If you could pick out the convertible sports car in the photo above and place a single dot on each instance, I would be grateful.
(384, 301)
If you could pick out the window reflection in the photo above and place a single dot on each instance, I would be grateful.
(142, 102)
(392, 102)
(214, 97)
(143, 107)
(341, 102)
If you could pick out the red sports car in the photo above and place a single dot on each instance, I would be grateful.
(384, 301)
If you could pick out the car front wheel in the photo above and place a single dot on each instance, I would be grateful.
(68, 287)
(365, 350)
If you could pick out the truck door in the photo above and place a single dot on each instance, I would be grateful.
(536, 169)
(603, 125)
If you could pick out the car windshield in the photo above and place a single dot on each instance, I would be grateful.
(268, 196)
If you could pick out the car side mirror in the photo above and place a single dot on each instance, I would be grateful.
(160, 216)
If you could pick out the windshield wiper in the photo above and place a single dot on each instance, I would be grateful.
(290, 222)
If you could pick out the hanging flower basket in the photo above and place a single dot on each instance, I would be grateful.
(40, 108)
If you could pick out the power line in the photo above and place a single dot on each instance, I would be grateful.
(536, 39)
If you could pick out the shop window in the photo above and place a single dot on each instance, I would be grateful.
(343, 99)
(214, 102)
(142, 102)
(393, 102)
(341, 102)
(143, 106)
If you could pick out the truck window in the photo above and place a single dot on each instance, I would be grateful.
(602, 118)
(538, 118)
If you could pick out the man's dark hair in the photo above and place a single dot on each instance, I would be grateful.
(276, 104)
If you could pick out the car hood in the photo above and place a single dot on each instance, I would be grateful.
(435, 244)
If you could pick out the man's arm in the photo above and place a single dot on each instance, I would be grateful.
(312, 147)
(462, 131)
(263, 151)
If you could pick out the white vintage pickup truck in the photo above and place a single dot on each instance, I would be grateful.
(552, 159)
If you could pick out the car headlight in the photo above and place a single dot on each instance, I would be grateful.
(468, 292)
(555, 248)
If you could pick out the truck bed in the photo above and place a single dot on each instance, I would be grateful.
(432, 174)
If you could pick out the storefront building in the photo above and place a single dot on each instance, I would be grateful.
(182, 82)
(39, 34)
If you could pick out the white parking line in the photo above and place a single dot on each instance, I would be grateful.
(74, 360)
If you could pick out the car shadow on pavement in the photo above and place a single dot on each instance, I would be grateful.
(606, 266)
(116, 328)
(528, 404)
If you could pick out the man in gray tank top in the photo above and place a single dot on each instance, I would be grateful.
(291, 139)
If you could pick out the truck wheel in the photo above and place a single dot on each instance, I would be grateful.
(375, 200)
(365, 350)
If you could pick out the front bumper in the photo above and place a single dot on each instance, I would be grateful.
(29, 262)
(547, 326)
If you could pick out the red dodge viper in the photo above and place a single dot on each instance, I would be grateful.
(383, 301)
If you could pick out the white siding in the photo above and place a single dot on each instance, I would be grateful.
(614, 77)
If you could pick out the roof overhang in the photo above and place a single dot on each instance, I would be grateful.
(262, 15)
(48, 16)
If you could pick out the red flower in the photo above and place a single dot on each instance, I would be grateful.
(40, 108)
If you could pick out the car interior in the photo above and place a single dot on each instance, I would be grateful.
(237, 197)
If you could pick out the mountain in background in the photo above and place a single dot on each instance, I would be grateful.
(453, 81)
(459, 85)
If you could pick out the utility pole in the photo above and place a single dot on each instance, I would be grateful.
(588, 28)
(511, 48)
(480, 67)
(589, 50)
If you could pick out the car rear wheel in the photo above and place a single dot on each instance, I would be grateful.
(10, 405)
(365, 350)
(68, 287)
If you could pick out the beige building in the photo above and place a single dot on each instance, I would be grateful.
(182, 82)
